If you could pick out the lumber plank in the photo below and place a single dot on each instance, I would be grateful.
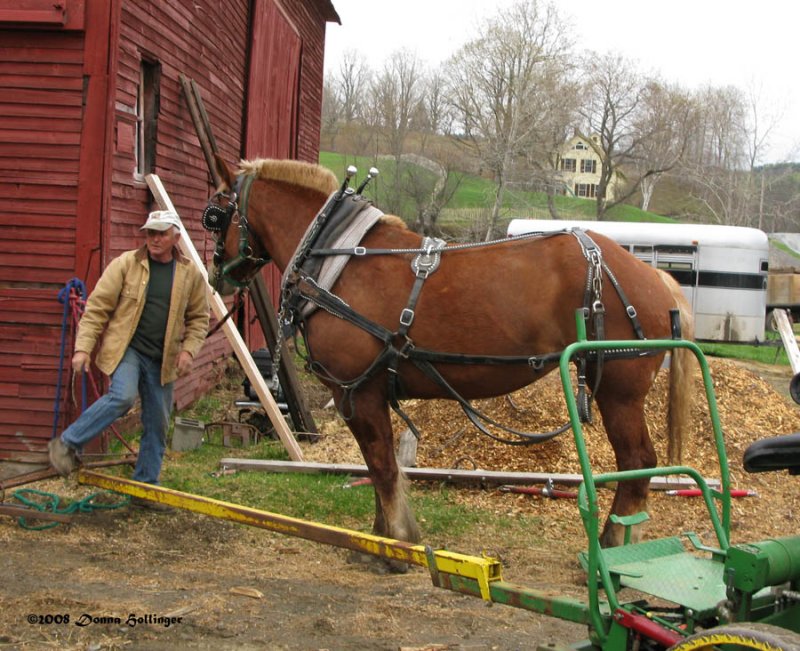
(442, 474)
(14, 511)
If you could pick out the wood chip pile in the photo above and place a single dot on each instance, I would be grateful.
(748, 406)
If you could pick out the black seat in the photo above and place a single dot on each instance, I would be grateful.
(775, 453)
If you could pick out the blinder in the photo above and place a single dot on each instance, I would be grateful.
(216, 218)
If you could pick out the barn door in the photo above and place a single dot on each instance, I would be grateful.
(272, 107)
(273, 84)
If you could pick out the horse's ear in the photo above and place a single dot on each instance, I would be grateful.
(224, 171)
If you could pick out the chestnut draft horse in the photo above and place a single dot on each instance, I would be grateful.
(490, 319)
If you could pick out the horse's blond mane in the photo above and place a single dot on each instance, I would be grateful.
(295, 172)
(303, 174)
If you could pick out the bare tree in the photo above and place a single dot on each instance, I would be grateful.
(351, 84)
(397, 94)
(662, 128)
(611, 104)
(435, 114)
(717, 160)
(499, 83)
(331, 115)
(396, 101)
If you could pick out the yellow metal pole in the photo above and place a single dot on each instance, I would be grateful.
(484, 570)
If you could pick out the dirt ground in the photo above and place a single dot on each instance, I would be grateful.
(130, 579)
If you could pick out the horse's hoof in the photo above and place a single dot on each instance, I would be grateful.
(377, 564)
(397, 567)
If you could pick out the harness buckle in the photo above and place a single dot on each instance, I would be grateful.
(631, 311)
(360, 250)
(406, 317)
(536, 363)
(405, 351)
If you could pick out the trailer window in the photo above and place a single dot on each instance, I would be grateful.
(672, 264)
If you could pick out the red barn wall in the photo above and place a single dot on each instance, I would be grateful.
(186, 39)
(53, 78)
(285, 107)
(72, 198)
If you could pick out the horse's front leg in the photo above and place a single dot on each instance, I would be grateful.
(367, 414)
(626, 427)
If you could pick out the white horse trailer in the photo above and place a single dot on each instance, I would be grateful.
(722, 269)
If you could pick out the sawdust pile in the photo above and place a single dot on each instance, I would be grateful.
(748, 406)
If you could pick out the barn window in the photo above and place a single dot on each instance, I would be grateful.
(147, 107)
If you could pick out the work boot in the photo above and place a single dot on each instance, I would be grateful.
(62, 457)
(150, 505)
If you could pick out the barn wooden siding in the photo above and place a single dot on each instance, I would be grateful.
(67, 143)
(44, 105)
(285, 107)
(184, 38)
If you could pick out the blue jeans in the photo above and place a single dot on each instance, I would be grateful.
(139, 375)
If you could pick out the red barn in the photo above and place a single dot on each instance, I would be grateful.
(91, 102)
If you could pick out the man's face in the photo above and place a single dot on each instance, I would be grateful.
(160, 243)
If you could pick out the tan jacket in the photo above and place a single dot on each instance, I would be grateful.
(115, 305)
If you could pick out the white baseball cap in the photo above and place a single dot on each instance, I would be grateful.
(161, 220)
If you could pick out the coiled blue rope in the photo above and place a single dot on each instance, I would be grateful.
(64, 296)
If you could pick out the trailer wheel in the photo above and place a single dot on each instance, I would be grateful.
(760, 637)
(770, 324)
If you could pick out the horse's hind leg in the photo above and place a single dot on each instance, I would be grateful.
(368, 419)
(625, 424)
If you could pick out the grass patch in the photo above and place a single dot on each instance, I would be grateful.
(315, 497)
(766, 354)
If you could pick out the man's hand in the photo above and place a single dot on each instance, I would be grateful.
(185, 361)
(81, 362)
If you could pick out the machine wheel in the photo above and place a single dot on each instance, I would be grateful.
(760, 637)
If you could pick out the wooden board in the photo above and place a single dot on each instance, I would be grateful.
(444, 474)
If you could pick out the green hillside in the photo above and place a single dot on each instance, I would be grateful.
(475, 196)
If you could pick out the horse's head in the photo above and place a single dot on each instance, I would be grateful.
(238, 254)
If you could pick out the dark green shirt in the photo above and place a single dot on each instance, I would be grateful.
(149, 336)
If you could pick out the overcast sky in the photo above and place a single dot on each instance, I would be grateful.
(751, 44)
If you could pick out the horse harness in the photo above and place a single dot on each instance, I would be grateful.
(302, 293)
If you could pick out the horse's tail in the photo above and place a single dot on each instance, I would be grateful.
(681, 378)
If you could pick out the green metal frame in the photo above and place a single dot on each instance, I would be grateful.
(612, 624)
(601, 624)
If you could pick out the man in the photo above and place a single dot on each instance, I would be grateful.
(151, 304)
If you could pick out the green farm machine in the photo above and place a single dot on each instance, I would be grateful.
(673, 593)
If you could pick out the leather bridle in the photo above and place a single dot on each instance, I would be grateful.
(223, 210)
